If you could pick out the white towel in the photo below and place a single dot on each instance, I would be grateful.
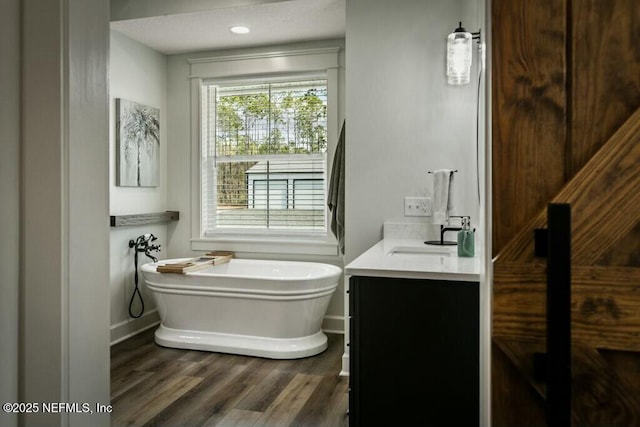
(442, 195)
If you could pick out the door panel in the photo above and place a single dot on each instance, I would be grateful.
(580, 145)
(605, 87)
(529, 111)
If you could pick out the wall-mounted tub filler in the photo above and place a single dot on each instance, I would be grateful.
(262, 308)
(143, 243)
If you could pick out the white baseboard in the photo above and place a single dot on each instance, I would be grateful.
(333, 324)
(127, 328)
(345, 365)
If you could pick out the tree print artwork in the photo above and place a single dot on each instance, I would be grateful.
(138, 144)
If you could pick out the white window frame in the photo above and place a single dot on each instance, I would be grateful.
(271, 66)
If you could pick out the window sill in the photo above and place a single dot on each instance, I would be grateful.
(267, 245)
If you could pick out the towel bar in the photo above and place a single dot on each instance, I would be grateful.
(456, 170)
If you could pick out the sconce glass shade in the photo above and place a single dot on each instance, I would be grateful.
(459, 57)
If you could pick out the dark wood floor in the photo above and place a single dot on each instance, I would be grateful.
(157, 386)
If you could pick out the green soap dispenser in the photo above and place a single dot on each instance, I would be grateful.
(466, 239)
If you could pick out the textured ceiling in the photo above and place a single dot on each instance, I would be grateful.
(270, 23)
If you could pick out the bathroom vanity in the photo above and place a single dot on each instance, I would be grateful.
(414, 336)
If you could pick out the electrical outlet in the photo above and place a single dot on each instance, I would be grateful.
(417, 206)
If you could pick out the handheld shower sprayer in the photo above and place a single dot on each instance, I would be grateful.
(142, 243)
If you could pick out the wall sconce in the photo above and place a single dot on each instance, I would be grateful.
(459, 55)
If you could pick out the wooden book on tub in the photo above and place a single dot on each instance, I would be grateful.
(195, 264)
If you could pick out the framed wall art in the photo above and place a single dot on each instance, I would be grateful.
(137, 144)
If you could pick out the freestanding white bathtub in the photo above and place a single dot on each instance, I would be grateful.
(270, 309)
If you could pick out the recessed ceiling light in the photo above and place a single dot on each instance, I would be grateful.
(239, 29)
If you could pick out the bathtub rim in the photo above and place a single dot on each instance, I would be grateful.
(330, 270)
(246, 345)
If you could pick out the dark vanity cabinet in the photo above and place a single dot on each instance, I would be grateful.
(414, 352)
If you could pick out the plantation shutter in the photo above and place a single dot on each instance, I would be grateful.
(264, 157)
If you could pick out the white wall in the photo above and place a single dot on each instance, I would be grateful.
(10, 205)
(137, 73)
(403, 119)
(64, 200)
(179, 169)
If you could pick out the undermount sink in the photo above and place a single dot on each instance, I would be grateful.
(422, 250)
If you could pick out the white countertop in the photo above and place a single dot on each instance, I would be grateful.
(411, 259)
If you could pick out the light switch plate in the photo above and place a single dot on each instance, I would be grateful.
(417, 206)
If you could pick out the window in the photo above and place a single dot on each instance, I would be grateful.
(264, 157)
(254, 186)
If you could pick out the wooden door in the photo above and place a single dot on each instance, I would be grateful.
(566, 128)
